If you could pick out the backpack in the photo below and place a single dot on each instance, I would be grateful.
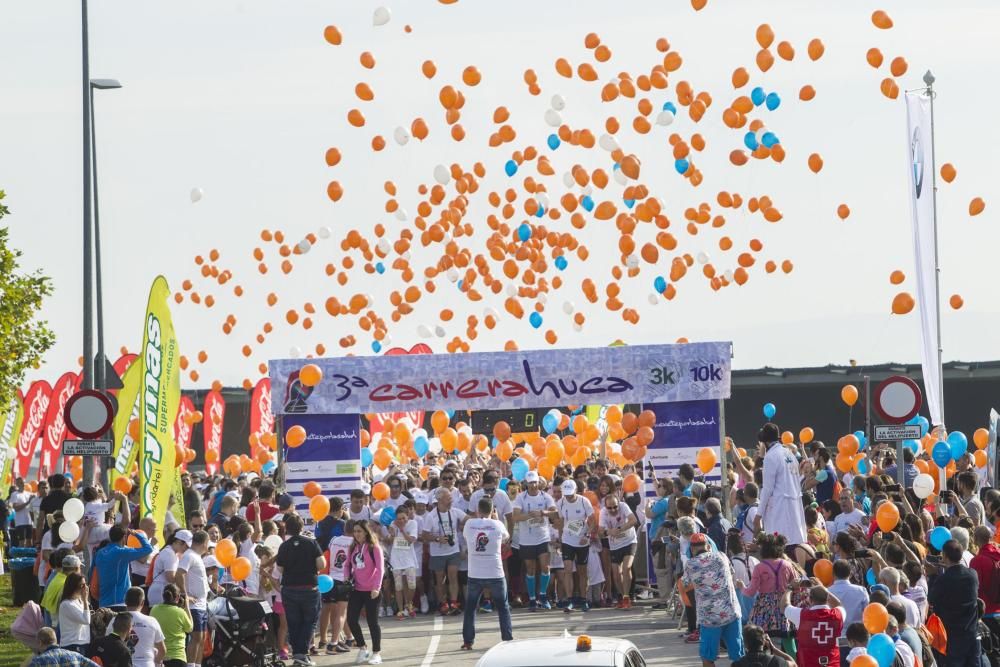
(741, 518)
(991, 644)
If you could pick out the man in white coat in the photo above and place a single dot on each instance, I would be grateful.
(781, 493)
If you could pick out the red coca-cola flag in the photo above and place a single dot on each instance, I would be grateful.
(36, 405)
(55, 423)
(183, 429)
(261, 418)
(215, 416)
(415, 418)
(121, 365)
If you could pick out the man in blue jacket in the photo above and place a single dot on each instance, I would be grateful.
(112, 563)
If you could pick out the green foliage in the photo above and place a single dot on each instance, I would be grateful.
(23, 339)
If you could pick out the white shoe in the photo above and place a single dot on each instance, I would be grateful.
(424, 605)
(363, 656)
(375, 659)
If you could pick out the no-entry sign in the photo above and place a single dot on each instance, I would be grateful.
(898, 399)
(88, 413)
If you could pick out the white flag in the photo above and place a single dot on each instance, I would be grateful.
(919, 140)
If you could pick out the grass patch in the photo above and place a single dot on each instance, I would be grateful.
(12, 652)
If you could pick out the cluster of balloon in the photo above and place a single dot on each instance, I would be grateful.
(493, 234)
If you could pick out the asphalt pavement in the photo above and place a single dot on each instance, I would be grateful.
(435, 640)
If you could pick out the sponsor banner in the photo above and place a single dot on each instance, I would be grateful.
(681, 430)
(126, 450)
(159, 399)
(178, 493)
(331, 455)
(261, 415)
(10, 428)
(55, 424)
(122, 364)
(36, 405)
(415, 418)
(507, 380)
(182, 429)
(214, 411)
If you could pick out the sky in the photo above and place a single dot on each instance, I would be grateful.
(242, 100)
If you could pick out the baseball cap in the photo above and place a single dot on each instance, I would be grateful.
(71, 562)
(184, 536)
(285, 501)
(569, 488)
(699, 538)
(532, 476)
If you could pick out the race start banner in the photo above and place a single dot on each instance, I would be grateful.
(506, 380)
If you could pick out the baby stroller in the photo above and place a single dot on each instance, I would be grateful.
(245, 631)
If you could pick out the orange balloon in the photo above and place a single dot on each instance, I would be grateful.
(981, 437)
(881, 21)
(887, 516)
(123, 485)
(241, 568)
(864, 661)
(902, 303)
(823, 569)
(848, 445)
(133, 429)
(310, 375)
(311, 489)
(295, 436)
(554, 452)
(956, 301)
(501, 431)
(875, 617)
(613, 414)
(546, 469)
(631, 483)
(765, 35)
(580, 424)
(980, 458)
(844, 462)
(402, 434)
(380, 491)
(631, 449)
(449, 440)
(319, 507)
(977, 206)
(806, 435)
(382, 458)
(133, 541)
(225, 552)
(504, 450)
(849, 394)
(897, 277)
(647, 418)
(874, 57)
(921, 465)
(948, 172)
(580, 456)
(439, 421)
(644, 436)
(706, 460)
(787, 438)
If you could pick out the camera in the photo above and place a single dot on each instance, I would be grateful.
(451, 540)
(671, 524)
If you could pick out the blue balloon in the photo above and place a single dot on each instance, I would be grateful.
(502, 485)
(770, 410)
(659, 284)
(524, 231)
(687, 492)
(922, 422)
(535, 319)
(629, 203)
(616, 166)
(772, 101)
(750, 141)
(550, 423)
(959, 444)
(587, 203)
(941, 453)
(561, 262)
(510, 168)
(681, 165)
(669, 106)
(769, 139)
(421, 446)
(939, 536)
(870, 577)
(376, 346)
(518, 469)
(883, 649)
(366, 457)
(387, 515)
(325, 583)
(554, 141)
(863, 467)
(494, 442)
(540, 212)
(862, 440)
(822, 475)
(757, 96)
(380, 268)
(268, 467)
(912, 445)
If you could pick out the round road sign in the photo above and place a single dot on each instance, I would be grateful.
(88, 413)
(898, 399)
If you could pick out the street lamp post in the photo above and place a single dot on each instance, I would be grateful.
(87, 379)
(100, 366)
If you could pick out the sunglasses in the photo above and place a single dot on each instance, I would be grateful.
(447, 479)
(394, 486)
(197, 526)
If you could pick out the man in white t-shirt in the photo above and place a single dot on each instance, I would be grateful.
(192, 580)
(532, 510)
(402, 534)
(485, 535)
(20, 501)
(441, 528)
(501, 502)
(146, 638)
(357, 510)
(618, 523)
(576, 523)
(165, 569)
(849, 515)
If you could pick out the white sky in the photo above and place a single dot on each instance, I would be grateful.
(243, 98)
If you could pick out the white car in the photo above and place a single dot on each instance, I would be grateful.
(582, 651)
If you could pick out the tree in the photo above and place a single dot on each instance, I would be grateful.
(23, 339)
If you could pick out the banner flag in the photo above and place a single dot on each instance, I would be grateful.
(159, 399)
(180, 515)
(55, 423)
(182, 429)
(921, 158)
(261, 416)
(36, 404)
(10, 430)
(214, 410)
(122, 364)
(125, 451)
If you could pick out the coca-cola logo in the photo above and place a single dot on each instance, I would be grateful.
(57, 428)
(215, 414)
(264, 406)
(36, 415)
(182, 427)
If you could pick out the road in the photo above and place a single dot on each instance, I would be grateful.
(433, 640)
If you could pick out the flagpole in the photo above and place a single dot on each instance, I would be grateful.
(929, 80)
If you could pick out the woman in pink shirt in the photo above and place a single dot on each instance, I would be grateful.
(365, 566)
(769, 581)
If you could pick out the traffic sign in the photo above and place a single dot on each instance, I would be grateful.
(898, 399)
(86, 448)
(897, 432)
(88, 413)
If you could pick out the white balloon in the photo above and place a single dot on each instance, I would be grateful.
(568, 307)
(325, 232)
(196, 195)
(728, 275)
(511, 290)
(589, 190)
(69, 530)
(577, 327)
(439, 331)
(664, 118)
(452, 275)
(401, 135)
(654, 298)
(608, 142)
(620, 177)
(553, 118)
(441, 174)
(542, 298)
(632, 261)
(304, 246)
(489, 310)
(558, 102)
(568, 180)
(419, 433)
(923, 485)
(434, 445)
(295, 352)
(383, 246)
(542, 199)
(73, 511)
(387, 341)
(401, 214)
(273, 542)
(369, 300)
(702, 258)
(381, 16)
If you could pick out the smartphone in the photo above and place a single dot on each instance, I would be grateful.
(936, 560)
